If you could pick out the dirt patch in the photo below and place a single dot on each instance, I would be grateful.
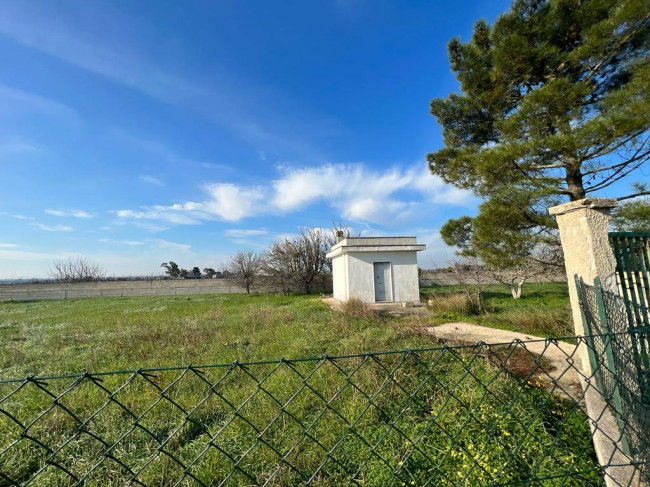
(551, 365)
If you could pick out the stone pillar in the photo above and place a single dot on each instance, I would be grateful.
(583, 228)
(584, 225)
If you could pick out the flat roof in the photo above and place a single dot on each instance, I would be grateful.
(375, 244)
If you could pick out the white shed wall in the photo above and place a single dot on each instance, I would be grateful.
(340, 278)
(361, 279)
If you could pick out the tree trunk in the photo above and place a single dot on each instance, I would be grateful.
(515, 288)
(574, 182)
(513, 291)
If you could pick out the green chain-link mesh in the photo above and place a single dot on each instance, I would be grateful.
(442, 416)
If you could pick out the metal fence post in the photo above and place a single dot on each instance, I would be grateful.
(615, 392)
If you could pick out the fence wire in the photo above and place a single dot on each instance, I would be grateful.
(505, 414)
(619, 356)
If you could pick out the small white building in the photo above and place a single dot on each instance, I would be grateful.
(376, 269)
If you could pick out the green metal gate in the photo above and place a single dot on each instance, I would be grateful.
(617, 326)
(619, 364)
(632, 252)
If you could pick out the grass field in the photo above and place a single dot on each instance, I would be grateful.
(543, 309)
(404, 418)
(49, 337)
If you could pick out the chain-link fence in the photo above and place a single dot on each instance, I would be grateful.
(618, 353)
(506, 414)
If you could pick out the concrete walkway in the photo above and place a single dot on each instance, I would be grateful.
(555, 369)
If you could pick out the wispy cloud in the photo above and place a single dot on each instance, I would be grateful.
(162, 151)
(356, 192)
(17, 147)
(13, 100)
(16, 216)
(176, 214)
(228, 202)
(25, 255)
(130, 243)
(152, 180)
(53, 228)
(164, 244)
(69, 213)
(244, 232)
(261, 115)
(8, 246)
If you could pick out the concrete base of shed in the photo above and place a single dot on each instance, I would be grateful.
(404, 308)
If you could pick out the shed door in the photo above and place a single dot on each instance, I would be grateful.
(382, 281)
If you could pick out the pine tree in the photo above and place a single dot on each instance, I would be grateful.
(554, 106)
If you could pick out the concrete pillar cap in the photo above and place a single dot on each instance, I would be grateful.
(592, 203)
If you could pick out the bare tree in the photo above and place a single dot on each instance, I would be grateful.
(299, 262)
(245, 267)
(310, 250)
(472, 275)
(545, 262)
(279, 265)
(76, 269)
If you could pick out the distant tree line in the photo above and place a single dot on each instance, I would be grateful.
(173, 270)
(293, 264)
(76, 268)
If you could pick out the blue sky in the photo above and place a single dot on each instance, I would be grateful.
(141, 132)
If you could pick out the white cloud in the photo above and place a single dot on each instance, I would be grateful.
(8, 246)
(176, 214)
(437, 253)
(152, 180)
(243, 233)
(53, 228)
(363, 194)
(355, 191)
(17, 216)
(232, 202)
(69, 213)
(120, 242)
(164, 244)
(227, 202)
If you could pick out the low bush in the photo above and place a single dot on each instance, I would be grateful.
(451, 305)
(355, 308)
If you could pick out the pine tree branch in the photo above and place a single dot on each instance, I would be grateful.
(544, 166)
(608, 149)
(618, 174)
(615, 49)
(634, 195)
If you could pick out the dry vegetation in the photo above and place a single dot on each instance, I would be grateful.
(355, 308)
(542, 310)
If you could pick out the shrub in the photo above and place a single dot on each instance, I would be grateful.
(452, 304)
(355, 308)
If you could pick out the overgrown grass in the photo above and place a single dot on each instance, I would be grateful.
(542, 310)
(51, 337)
(355, 308)
(472, 421)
